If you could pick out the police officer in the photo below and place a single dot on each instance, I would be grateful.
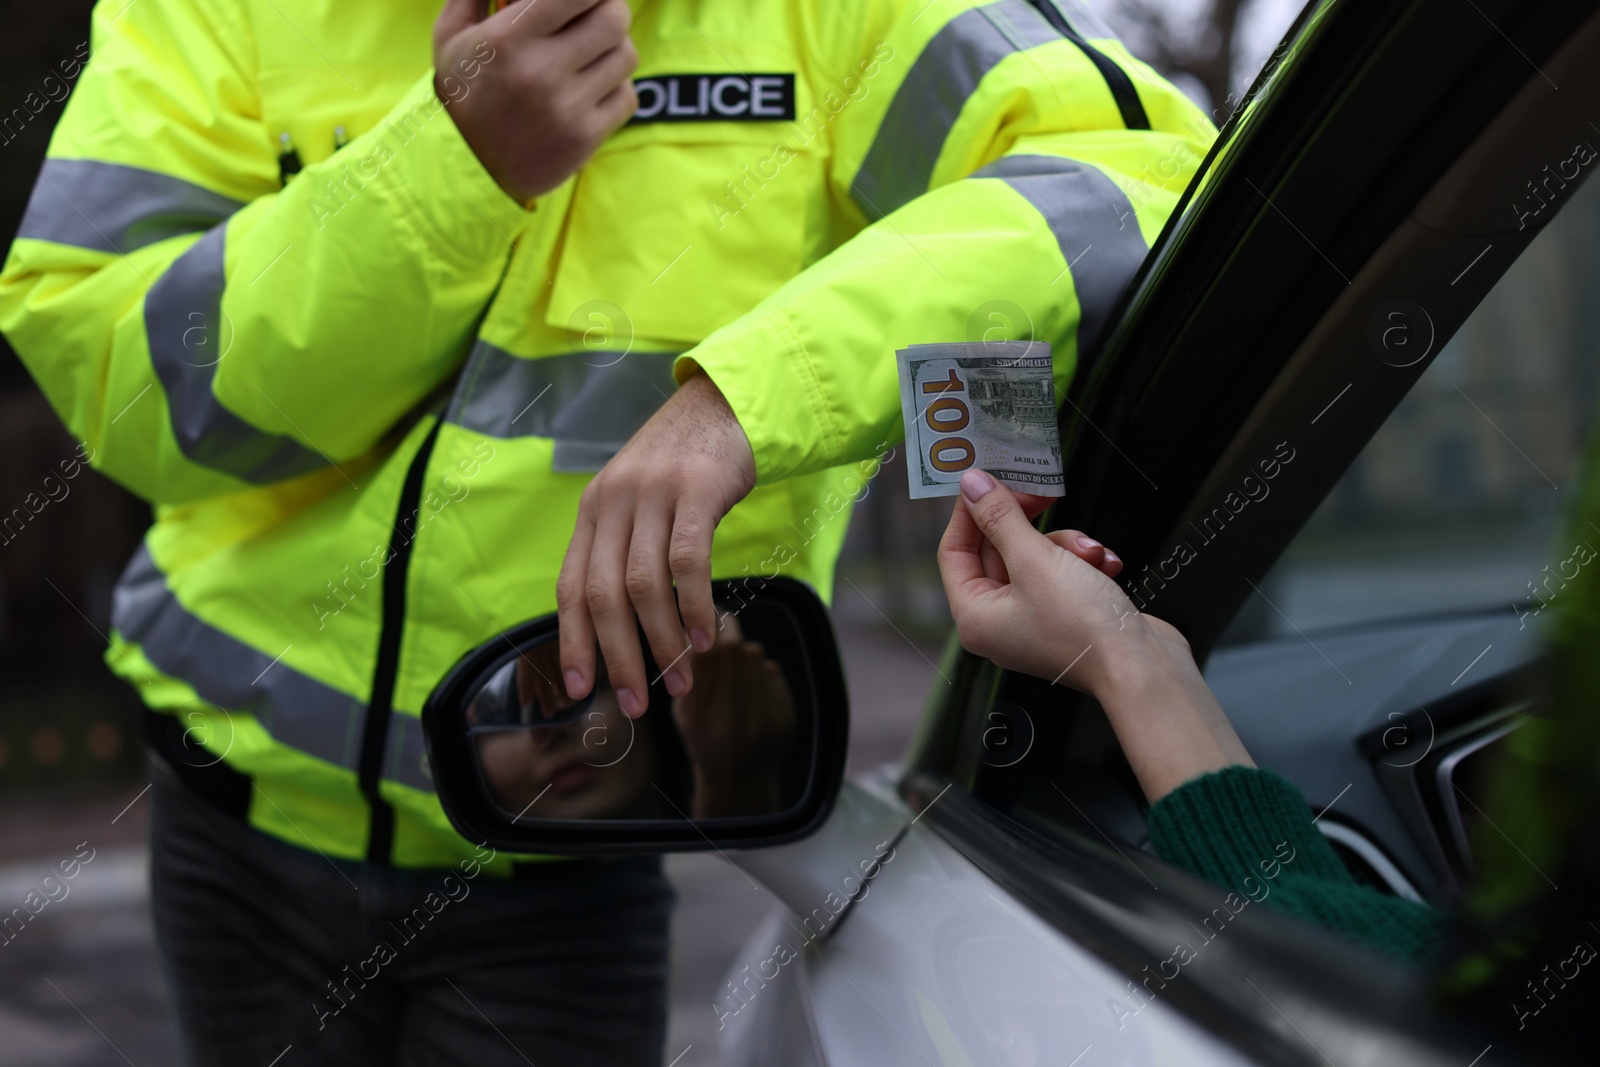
(405, 345)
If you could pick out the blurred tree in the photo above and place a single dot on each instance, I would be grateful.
(1185, 42)
(63, 718)
(37, 38)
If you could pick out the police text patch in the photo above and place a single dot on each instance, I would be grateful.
(714, 98)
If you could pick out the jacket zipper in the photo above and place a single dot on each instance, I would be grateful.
(380, 709)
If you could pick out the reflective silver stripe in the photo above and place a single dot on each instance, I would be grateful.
(188, 336)
(296, 710)
(899, 165)
(590, 403)
(1084, 20)
(1094, 224)
(406, 760)
(109, 207)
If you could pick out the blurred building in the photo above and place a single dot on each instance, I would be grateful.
(1503, 412)
(63, 540)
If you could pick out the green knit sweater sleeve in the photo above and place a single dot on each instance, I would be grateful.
(1250, 831)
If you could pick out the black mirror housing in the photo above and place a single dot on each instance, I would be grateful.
(489, 725)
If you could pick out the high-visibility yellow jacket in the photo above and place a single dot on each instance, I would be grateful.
(364, 401)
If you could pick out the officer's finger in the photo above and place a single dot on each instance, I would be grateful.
(689, 556)
(617, 106)
(599, 30)
(999, 516)
(649, 584)
(576, 629)
(725, 697)
(780, 702)
(457, 15)
(614, 623)
(538, 18)
(752, 688)
(608, 71)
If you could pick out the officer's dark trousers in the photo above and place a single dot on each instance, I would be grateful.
(272, 950)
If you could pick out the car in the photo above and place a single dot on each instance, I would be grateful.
(992, 899)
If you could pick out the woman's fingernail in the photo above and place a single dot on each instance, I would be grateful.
(629, 703)
(675, 685)
(574, 684)
(700, 640)
(1112, 557)
(975, 485)
(1085, 541)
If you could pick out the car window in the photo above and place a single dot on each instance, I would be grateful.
(1454, 504)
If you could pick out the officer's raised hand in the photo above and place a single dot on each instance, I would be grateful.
(644, 521)
(536, 86)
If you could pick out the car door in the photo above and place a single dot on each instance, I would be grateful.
(1359, 207)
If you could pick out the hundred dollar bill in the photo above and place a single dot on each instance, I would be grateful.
(989, 405)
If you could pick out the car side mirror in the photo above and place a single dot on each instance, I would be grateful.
(753, 755)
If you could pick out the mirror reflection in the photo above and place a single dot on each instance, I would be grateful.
(731, 747)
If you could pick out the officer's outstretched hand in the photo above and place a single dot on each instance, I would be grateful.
(535, 87)
(646, 521)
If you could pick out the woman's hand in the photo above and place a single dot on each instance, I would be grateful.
(1045, 604)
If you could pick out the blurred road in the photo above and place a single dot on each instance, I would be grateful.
(80, 985)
